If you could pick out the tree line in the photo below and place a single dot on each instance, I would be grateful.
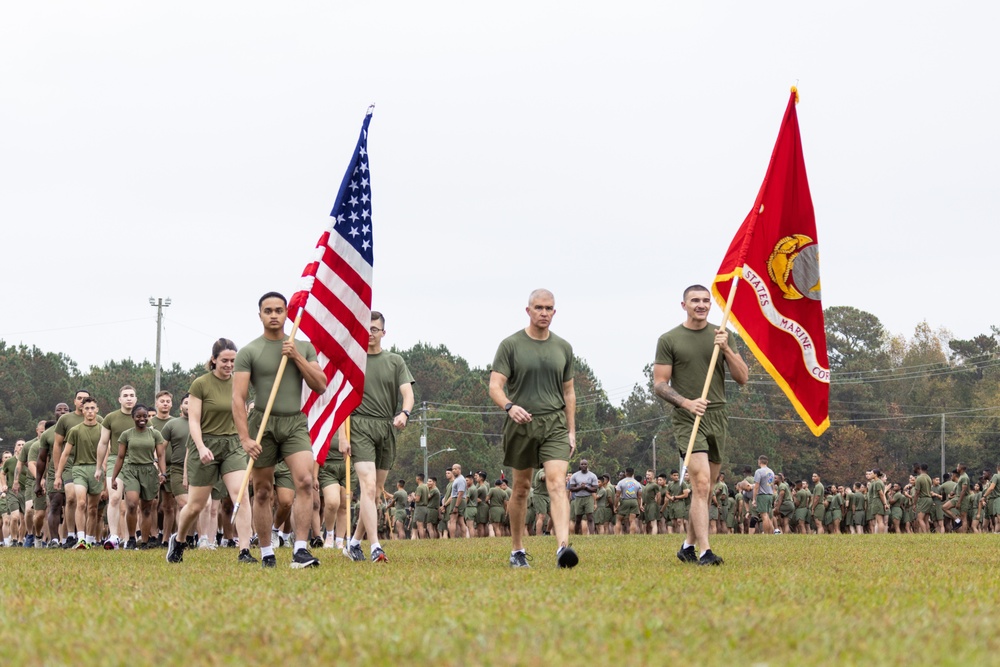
(893, 400)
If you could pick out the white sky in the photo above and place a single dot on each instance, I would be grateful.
(607, 151)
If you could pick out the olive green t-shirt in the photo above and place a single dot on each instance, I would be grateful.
(62, 427)
(420, 495)
(819, 490)
(8, 470)
(873, 491)
(538, 484)
(802, 497)
(496, 497)
(447, 493)
(158, 423)
(649, 494)
(141, 445)
(787, 497)
(23, 458)
(261, 358)
(434, 498)
(117, 423)
(85, 440)
(385, 373)
(602, 497)
(535, 370)
(836, 502)
(399, 497)
(948, 489)
(216, 398)
(963, 482)
(995, 481)
(176, 433)
(923, 486)
(688, 352)
(33, 454)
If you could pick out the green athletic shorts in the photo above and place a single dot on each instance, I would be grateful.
(143, 479)
(996, 506)
(544, 438)
(285, 435)
(176, 473)
(219, 490)
(469, 514)
(802, 514)
(787, 509)
(676, 510)
(399, 515)
(582, 506)
(420, 514)
(540, 504)
(83, 475)
(819, 512)
(333, 471)
(925, 505)
(712, 432)
(483, 512)
(283, 477)
(627, 507)
(41, 502)
(496, 514)
(651, 513)
(602, 515)
(373, 440)
(229, 457)
(713, 512)
(938, 514)
(765, 504)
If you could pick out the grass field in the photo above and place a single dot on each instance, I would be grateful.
(811, 600)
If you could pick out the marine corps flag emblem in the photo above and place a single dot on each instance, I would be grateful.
(775, 297)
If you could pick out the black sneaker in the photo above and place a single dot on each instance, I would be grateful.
(316, 542)
(519, 559)
(70, 542)
(145, 545)
(708, 558)
(378, 556)
(191, 541)
(254, 542)
(175, 550)
(303, 559)
(566, 557)
(54, 544)
(130, 545)
(245, 557)
(354, 552)
(268, 561)
(687, 555)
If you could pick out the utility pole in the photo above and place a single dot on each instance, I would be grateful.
(159, 304)
(423, 436)
(942, 448)
(654, 455)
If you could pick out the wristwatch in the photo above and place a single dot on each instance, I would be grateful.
(507, 407)
(406, 412)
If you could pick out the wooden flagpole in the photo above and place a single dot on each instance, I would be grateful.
(711, 371)
(267, 415)
(347, 468)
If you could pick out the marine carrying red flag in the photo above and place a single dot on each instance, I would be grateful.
(776, 305)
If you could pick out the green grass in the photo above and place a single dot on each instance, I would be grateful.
(778, 599)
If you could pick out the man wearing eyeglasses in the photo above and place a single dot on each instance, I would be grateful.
(374, 423)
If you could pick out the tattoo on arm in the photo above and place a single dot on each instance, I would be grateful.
(669, 394)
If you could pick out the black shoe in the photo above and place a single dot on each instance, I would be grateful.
(687, 555)
(191, 541)
(354, 552)
(145, 545)
(130, 545)
(154, 543)
(268, 561)
(245, 557)
(54, 544)
(316, 542)
(303, 559)
(378, 556)
(566, 557)
(519, 559)
(708, 558)
(175, 550)
(70, 542)
(254, 542)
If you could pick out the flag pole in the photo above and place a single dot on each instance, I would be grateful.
(347, 469)
(267, 415)
(711, 371)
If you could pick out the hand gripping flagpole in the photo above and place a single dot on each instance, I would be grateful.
(711, 371)
(267, 415)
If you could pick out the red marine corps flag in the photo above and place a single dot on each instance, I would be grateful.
(775, 299)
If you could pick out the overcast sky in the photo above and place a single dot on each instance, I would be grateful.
(606, 151)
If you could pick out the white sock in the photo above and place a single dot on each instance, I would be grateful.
(686, 545)
(340, 542)
(299, 544)
(517, 551)
(266, 551)
(114, 538)
(80, 537)
(284, 536)
(375, 545)
(702, 553)
(90, 539)
(355, 542)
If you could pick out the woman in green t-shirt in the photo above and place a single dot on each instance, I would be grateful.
(214, 450)
(140, 475)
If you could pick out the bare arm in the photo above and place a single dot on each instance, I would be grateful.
(406, 391)
(738, 368)
(497, 382)
(103, 448)
(61, 467)
(241, 390)
(661, 387)
(310, 370)
(569, 396)
(122, 449)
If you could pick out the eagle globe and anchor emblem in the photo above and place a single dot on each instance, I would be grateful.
(794, 267)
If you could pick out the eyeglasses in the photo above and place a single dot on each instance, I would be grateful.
(375, 330)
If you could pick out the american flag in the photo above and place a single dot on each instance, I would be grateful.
(336, 300)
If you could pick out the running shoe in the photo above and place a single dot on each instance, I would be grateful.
(245, 557)
(54, 544)
(708, 558)
(519, 559)
(378, 556)
(268, 561)
(566, 557)
(354, 552)
(29, 541)
(111, 544)
(70, 542)
(254, 542)
(687, 555)
(175, 549)
(303, 559)
(81, 545)
(130, 545)
(316, 542)
(276, 540)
